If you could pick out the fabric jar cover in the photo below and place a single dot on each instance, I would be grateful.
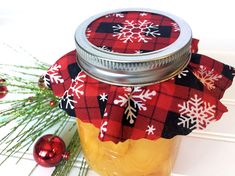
(188, 101)
(133, 47)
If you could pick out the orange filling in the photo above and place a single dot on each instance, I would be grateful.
(133, 157)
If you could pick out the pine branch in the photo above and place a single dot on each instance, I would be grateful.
(65, 167)
(83, 168)
(32, 115)
(39, 67)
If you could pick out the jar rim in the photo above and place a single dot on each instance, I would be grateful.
(117, 68)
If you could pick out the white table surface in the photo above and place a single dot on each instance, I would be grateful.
(45, 29)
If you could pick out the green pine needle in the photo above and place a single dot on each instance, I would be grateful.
(31, 115)
(64, 168)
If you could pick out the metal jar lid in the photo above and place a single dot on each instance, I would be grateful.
(133, 47)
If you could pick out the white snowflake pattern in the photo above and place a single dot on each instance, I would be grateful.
(175, 27)
(183, 73)
(143, 14)
(138, 96)
(106, 48)
(136, 31)
(138, 51)
(88, 33)
(196, 113)
(105, 113)
(103, 97)
(53, 75)
(46, 80)
(119, 15)
(233, 70)
(76, 89)
(68, 99)
(150, 129)
(207, 77)
(103, 129)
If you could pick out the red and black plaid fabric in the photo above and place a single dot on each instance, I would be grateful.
(132, 32)
(191, 100)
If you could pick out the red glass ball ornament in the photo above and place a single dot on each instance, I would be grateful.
(3, 91)
(52, 103)
(3, 88)
(49, 150)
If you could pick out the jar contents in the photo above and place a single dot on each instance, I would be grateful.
(133, 157)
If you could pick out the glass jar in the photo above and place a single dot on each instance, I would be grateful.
(140, 157)
(130, 48)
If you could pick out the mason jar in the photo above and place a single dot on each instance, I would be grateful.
(130, 49)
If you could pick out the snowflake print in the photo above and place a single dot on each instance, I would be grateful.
(136, 31)
(150, 129)
(106, 48)
(138, 51)
(183, 73)
(103, 129)
(103, 97)
(233, 70)
(105, 113)
(88, 33)
(46, 80)
(68, 99)
(118, 15)
(53, 75)
(196, 113)
(207, 77)
(138, 96)
(143, 14)
(175, 27)
(76, 89)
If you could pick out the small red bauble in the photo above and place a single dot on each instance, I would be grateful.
(3, 88)
(52, 103)
(49, 150)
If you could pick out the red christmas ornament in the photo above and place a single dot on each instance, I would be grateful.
(52, 103)
(3, 88)
(49, 150)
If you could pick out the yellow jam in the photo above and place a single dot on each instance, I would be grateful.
(130, 158)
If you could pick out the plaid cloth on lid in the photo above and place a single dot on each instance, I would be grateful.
(189, 101)
(132, 32)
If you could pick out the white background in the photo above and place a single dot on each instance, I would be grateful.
(46, 29)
